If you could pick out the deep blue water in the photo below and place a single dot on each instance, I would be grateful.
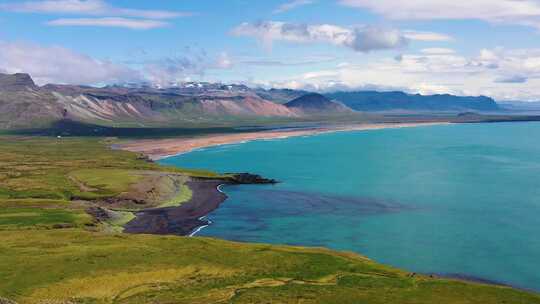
(441, 199)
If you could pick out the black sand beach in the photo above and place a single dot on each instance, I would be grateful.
(182, 220)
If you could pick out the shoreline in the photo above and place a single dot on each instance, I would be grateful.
(186, 219)
(157, 149)
(190, 217)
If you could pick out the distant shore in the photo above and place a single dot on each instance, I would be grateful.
(157, 149)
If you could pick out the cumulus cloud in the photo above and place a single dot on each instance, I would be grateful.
(191, 63)
(522, 12)
(87, 7)
(291, 5)
(373, 38)
(512, 65)
(54, 64)
(504, 74)
(135, 24)
(361, 39)
(171, 70)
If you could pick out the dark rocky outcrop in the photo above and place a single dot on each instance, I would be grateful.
(247, 178)
(98, 213)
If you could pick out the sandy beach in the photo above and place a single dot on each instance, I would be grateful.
(160, 148)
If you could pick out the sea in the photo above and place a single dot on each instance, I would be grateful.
(459, 200)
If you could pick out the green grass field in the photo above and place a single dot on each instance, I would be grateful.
(110, 181)
(58, 266)
(45, 167)
(52, 251)
(41, 214)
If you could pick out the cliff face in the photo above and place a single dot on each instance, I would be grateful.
(16, 82)
(25, 105)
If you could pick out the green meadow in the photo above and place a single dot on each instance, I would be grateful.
(53, 251)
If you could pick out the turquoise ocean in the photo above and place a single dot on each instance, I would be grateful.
(447, 199)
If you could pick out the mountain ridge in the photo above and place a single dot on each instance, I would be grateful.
(313, 103)
(17, 81)
(23, 104)
(374, 101)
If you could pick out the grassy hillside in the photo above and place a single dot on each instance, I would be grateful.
(53, 251)
(52, 168)
(84, 267)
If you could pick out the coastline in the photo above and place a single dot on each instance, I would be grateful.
(190, 217)
(190, 224)
(157, 149)
(186, 219)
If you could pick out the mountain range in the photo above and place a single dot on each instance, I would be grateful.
(372, 101)
(25, 105)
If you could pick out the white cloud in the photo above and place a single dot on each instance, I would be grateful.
(511, 65)
(87, 7)
(193, 63)
(373, 38)
(291, 5)
(361, 39)
(287, 61)
(504, 74)
(320, 75)
(135, 24)
(522, 12)
(53, 64)
(437, 51)
(223, 61)
(426, 88)
(426, 36)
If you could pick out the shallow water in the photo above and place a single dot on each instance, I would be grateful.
(460, 199)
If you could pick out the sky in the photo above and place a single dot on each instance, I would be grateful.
(472, 47)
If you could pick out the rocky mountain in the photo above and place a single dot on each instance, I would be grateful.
(399, 101)
(16, 82)
(164, 106)
(25, 105)
(315, 104)
(280, 95)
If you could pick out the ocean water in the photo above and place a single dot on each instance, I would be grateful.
(448, 199)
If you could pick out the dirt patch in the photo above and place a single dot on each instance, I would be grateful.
(82, 186)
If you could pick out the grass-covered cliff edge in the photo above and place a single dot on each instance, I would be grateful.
(63, 205)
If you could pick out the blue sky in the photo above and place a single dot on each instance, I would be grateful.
(488, 47)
